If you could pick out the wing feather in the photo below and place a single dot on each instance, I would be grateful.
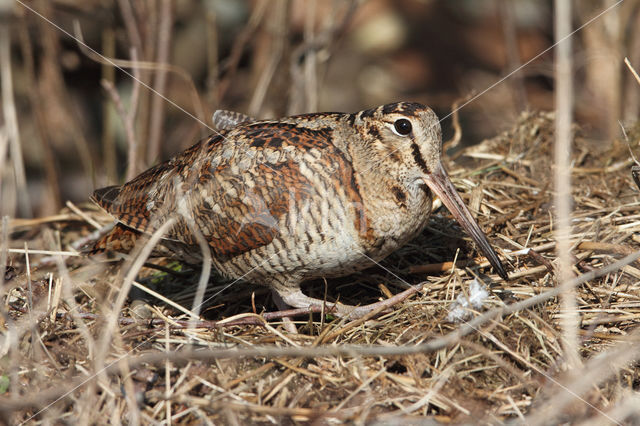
(235, 190)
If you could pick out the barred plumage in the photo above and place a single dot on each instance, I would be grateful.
(308, 196)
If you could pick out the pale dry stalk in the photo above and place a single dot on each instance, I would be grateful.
(563, 137)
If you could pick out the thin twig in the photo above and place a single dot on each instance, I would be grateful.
(4, 239)
(594, 372)
(4, 148)
(11, 120)
(239, 44)
(132, 113)
(108, 117)
(632, 69)
(279, 32)
(310, 59)
(121, 64)
(508, 15)
(39, 109)
(143, 252)
(160, 82)
(130, 24)
(128, 127)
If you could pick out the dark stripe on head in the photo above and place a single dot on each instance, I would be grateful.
(389, 108)
(418, 157)
(407, 108)
(368, 113)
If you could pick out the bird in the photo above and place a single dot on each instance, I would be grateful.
(280, 202)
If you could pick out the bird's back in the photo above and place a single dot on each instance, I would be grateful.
(266, 191)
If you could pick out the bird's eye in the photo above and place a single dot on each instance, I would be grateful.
(402, 126)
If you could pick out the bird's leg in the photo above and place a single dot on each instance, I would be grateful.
(294, 297)
(283, 306)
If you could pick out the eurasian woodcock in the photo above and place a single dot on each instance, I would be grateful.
(283, 201)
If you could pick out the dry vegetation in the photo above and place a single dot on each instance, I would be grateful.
(74, 349)
(507, 366)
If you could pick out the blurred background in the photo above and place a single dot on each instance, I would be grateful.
(71, 121)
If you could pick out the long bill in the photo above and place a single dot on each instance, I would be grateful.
(441, 185)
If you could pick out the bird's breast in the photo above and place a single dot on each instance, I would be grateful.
(396, 214)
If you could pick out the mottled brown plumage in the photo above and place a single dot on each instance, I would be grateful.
(303, 197)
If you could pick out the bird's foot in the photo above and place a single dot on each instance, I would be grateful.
(298, 299)
(283, 306)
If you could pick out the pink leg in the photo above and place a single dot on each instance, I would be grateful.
(297, 299)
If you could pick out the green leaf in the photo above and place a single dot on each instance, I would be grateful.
(4, 384)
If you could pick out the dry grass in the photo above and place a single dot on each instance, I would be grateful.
(74, 348)
(161, 366)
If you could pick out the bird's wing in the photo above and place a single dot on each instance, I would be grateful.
(145, 202)
(235, 191)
